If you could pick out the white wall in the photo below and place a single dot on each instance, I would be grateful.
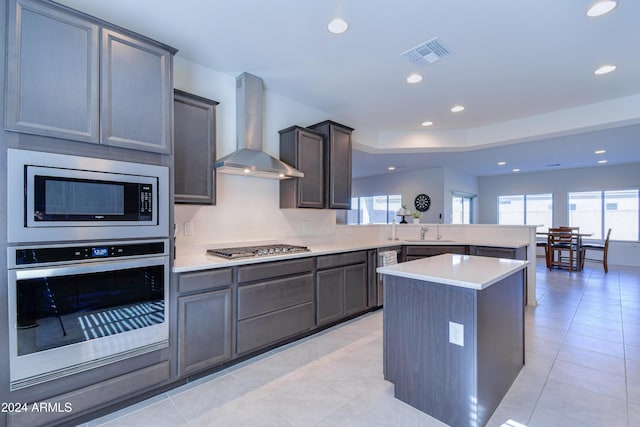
(246, 208)
(560, 183)
(437, 183)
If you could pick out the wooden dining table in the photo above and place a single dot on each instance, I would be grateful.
(579, 245)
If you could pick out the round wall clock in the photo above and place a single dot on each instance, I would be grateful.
(422, 202)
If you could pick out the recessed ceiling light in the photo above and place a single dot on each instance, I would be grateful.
(427, 123)
(338, 26)
(600, 151)
(457, 108)
(502, 163)
(604, 69)
(515, 170)
(414, 78)
(391, 168)
(602, 161)
(602, 7)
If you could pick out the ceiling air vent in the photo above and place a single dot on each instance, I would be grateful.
(428, 52)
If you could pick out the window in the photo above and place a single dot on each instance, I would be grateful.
(597, 211)
(530, 209)
(461, 208)
(374, 209)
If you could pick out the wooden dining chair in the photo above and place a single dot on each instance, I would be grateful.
(600, 247)
(544, 244)
(562, 240)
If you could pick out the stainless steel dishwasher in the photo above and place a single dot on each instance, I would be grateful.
(386, 256)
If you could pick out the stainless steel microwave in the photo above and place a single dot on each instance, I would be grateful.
(59, 197)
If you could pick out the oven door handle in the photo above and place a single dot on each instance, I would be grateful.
(89, 267)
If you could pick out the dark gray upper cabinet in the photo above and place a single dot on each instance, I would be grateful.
(52, 72)
(135, 93)
(337, 160)
(75, 77)
(304, 150)
(194, 148)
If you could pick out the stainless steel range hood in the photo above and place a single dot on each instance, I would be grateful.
(249, 159)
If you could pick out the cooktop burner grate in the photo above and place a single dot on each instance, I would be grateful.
(255, 251)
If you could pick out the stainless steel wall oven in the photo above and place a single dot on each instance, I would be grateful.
(76, 307)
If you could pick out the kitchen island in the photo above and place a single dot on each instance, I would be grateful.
(454, 334)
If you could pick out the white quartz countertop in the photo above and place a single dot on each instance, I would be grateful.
(194, 258)
(467, 271)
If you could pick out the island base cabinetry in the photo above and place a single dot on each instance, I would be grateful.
(459, 385)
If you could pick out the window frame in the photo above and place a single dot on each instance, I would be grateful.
(524, 206)
(464, 196)
(601, 234)
(390, 216)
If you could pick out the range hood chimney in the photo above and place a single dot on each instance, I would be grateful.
(249, 159)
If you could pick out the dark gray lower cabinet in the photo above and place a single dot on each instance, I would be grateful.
(341, 286)
(204, 319)
(275, 302)
(490, 251)
(85, 400)
(355, 289)
(205, 330)
(330, 290)
(423, 251)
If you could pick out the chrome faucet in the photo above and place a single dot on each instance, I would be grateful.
(423, 231)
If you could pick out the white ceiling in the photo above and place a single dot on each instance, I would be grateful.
(511, 60)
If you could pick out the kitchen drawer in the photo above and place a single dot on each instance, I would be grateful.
(261, 298)
(426, 251)
(273, 327)
(338, 260)
(270, 270)
(489, 251)
(204, 280)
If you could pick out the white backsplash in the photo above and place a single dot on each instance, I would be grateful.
(248, 209)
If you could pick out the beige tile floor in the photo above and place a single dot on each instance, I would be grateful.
(582, 369)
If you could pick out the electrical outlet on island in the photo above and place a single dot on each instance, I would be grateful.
(456, 333)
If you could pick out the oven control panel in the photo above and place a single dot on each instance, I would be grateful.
(45, 255)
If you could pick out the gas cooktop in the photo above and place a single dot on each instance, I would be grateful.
(255, 251)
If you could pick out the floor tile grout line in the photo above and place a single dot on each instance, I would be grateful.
(555, 358)
(624, 354)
